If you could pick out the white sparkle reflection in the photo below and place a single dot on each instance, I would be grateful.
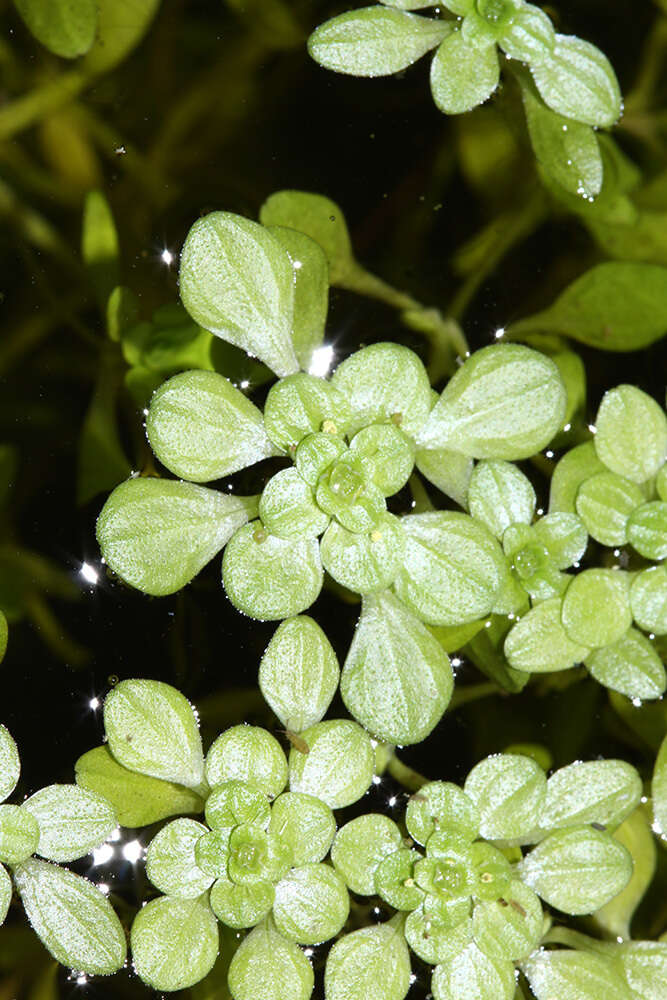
(94, 704)
(376, 779)
(132, 851)
(114, 835)
(500, 333)
(167, 257)
(89, 573)
(321, 360)
(82, 979)
(104, 888)
(245, 384)
(102, 854)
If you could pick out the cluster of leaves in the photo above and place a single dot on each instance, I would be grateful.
(571, 89)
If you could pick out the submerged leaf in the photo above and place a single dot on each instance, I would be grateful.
(65, 27)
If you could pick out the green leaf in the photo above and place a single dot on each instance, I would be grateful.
(659, 792)
(316, 453)
(647, 529)
(360, 846)
(247, 753)
(563, 536)
(635, 834)
(101, 461)
(648, 599)
(19, 834)
(506, 401)
(5, 893)
(99, 243)
(568, 151)
(237, 281)
(509, 792)
(385, 382)
(604, 792)
(267, 577)
(448, 470)
(394, 881)
(121, 25)
(152, 728)
(4, 636)
(503, 930)
(396, 680)
(644, 965)
(616, 306)
(630, 665)
(374, 41)
(347, 492)
(287, 507)
(241, 906)
(596, 607)
(441, 805)
(432, 940)
(122, 312)
(364, 562)
(311, 291)
(604, 503)
(136, 799)
(202, 428)
(235, 801)
(338, 766)
(65, 27)
(305, 824)
(529, 36)
(311, 904)
(174, 942)
(577, 870)
(267, 967)
(452, 568)
(318, 217)
(170, 860)
(73, 919)
(372, 962)
(390, 453)
(573, 975)
(157, 534)
(303, 404)
(538, 643)
(72, 821)
(499, 495)
(463, 75)
(474, 975)
(299, 673)
(571, 471)
(10, 765)
(577, 80)
(631, 433)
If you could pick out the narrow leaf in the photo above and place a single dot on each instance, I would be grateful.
(10, 765)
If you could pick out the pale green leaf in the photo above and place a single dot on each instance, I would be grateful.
(305, 824)
(602, 792)
(72, 821)
(572, 470)
(241, 906)
(19, 834)
(506, 401)
(503, 930)
(4, 636)
(661, 482)
(247, 753)
(211, 854)
(509, 792)
(311, 904)
(202, 428)
(238, 801)
(452, 568)
(338, 766)
(448, 470)
(122, 312)
(421, 4)
(474, 975)
(315, 453)
(374, 41)
(432, 940)
(267, 967)
(563, 536)
(137, 799)
(630, 665)
(631, 432)
(385, 382)
(10, 765)
(99, 243)
(174, 942)
(287, 507)
(391, 455)
(573, 975)
(529, 36)
(73, 919)
(360, 846)
(170, 860)
(120, 27)
(463, 75)
(5, 893)
(364, 562)
(616, 306)
(65, 27)
(596, 607)
(317, 217)
(347, 492)
(659, 792)
(157, 534)
(372, 962)
(636, 835)
(578, 81)
(152, 728)
(396, 680)
(647, 529)
(648, 599)
(441, 805)
(644, 965)
(394, 881)
(237, 281)
(604, 503)
(267, 577)
(577, 870)
(304, 404)
(299, 673)
(311, 291)
(538, 643)
(499, 495)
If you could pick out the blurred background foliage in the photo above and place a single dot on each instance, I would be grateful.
(186, 106)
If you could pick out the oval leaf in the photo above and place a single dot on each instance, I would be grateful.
(539, 644)
(509, 792)
(10, 765)
(499, 495)
(170, 860)
(597, 791)
(267, 967)
(174, 942)
(463, 75)
(573, 975)
(65, 27)
(373, 962)
(305, 824)
(631, 433)
(247, 753)
(338, 765)
(311, 904)
(577, 80)
(360, 846)
(72, 821)
(630, 665)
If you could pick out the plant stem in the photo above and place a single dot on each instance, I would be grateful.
(26, 111)
(473, 692)
(407, 776)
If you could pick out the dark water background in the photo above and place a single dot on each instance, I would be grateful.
(266, 120)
